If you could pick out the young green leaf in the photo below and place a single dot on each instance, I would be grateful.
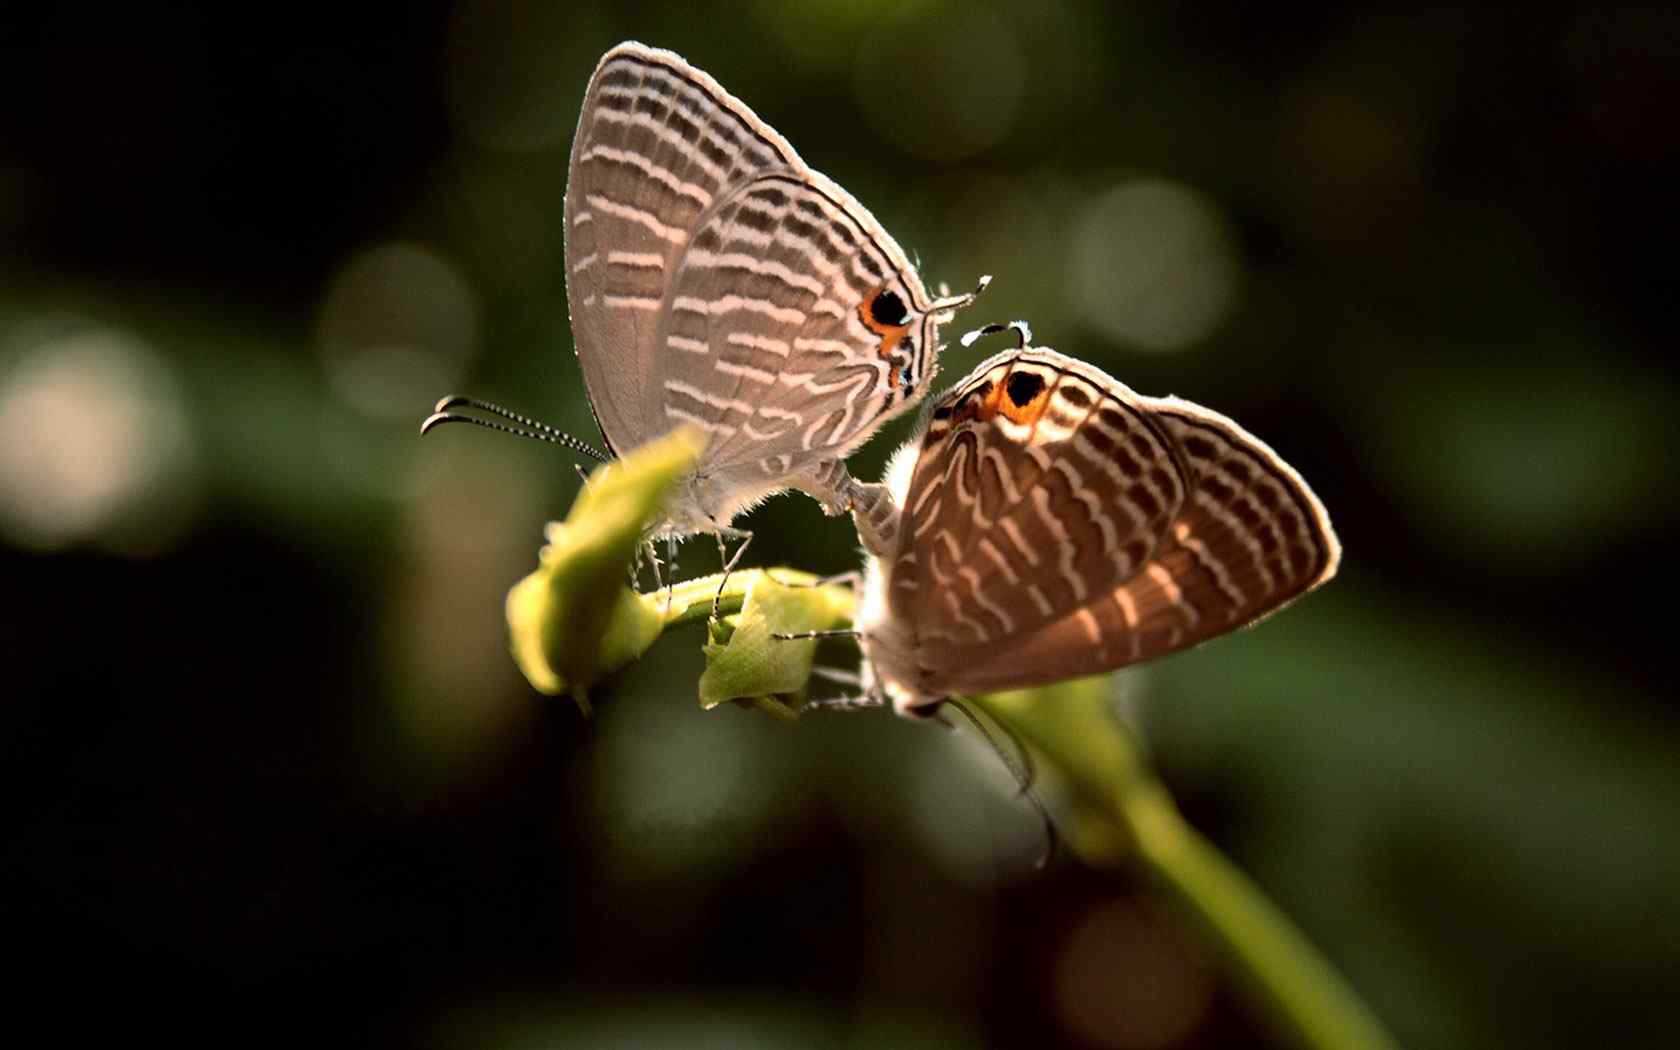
(754, 665)
(575, 620)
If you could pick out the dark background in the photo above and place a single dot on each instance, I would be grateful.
(265, 757)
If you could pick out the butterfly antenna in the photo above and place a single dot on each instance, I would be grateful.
(1022, 330)
(528, 427)
(950, 303)
(1024, 772)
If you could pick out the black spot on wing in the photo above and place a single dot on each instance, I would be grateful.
(1023, 387)
(888, 309)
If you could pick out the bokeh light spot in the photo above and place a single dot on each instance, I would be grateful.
(678, 793)
(1154, 264)
(462, 700)
(1127, 979)
(398, 327)
(94, 445)
(942, 83)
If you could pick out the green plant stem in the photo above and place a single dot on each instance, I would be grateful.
(691, 600)
(1294, 982)
(1296, 987)
(1120, 814)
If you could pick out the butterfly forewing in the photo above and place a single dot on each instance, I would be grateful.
(1250, 537)
(658, 144)
(773, 340)
(1041, 484)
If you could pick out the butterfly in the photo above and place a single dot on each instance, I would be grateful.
(1050, 523)
(715, 280)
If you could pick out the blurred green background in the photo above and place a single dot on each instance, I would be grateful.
(265, 754)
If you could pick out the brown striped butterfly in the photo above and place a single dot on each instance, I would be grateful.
(716, 280)
(1049, 523)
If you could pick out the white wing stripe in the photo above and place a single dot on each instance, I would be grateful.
(640, 216)
(778, 347)
(647, 167)
(757, 375)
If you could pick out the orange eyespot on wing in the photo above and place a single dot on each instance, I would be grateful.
(883, 313)
(1023, 398)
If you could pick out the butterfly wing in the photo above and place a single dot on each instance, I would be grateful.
(658, 144)
(1250, 538)
(793, 328)
(1041, 485)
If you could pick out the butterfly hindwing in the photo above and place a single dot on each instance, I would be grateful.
(1255, 535)
(774, 337)
(1250, 538)
(1040, 485)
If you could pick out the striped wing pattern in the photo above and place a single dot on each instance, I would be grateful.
(1244, 537)
(716, 280)
(658, 143)
(1038, 487)
(771, 341)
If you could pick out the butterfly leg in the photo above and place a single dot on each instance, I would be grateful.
(837, 632)
(670, 571)
(839, 675)
(646, 554)
(843, 703)
(729, 563)
(852, 579)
